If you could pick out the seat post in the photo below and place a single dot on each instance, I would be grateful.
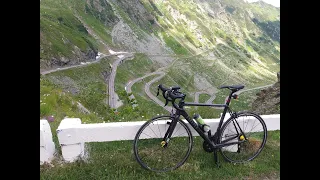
(229, 97)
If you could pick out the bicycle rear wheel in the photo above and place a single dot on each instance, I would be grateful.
(246, 126)
(149, 148)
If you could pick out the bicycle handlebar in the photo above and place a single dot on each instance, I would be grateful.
(171, 94)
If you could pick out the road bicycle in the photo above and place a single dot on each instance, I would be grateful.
(164, 143)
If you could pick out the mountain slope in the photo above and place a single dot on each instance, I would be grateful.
(199, 44)
(268, 100)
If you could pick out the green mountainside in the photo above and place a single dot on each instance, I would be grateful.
(197, 44)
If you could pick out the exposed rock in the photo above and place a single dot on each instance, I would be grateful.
(82, 108)
(64, 60)
(211, 14)
(123, 35)
(106, 75)
(78, 57)
(67, 84)
(91, 54)
(268, 100)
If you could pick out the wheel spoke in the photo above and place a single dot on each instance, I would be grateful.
(159, 129)
(153, 131)
(176, 131)
(150, 153)
(248, 149)
(147, 135)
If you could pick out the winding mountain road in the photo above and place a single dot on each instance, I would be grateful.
(197, 94)
(154, 98)
(147, 88)
(73, 66)
(162, 74)
(130, 83)
(112, 100)
(81, 65)
(245, 90)
(260, 87)
(210, 100)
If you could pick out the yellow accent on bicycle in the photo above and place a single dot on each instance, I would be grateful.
(163, 143)
(241, 137)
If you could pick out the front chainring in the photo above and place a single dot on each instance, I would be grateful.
(206, 146)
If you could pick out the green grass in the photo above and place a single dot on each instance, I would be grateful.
(203, 98)
(91, 91)
(127, 19)
(205, 112)
(115, 160)
(60, 30)
(245, 100)
(147, 106)
(90, 84)
(221, 96)
(89, 87)
(59, 104)
(127, 72)
(96, 24)
(57, 21)
(55, 102)
(132, 69)
(174, 45)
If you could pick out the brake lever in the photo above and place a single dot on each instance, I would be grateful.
(158, 92)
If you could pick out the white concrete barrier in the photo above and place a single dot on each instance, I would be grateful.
(67, 132)
(72, 134)
(47, 147)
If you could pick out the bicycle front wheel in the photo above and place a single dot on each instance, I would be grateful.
(247, 127)
(153, 154)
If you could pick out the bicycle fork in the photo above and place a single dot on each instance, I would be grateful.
(169, 132)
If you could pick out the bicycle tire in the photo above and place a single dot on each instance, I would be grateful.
(144, 126)
(260, 148)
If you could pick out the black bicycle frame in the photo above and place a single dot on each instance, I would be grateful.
(181, 111)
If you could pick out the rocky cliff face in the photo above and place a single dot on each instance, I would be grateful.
(268, 101)
(74, 31)
(77, 57)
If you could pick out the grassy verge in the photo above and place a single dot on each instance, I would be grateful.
(59, 104)
(88, 86)
(115, 160)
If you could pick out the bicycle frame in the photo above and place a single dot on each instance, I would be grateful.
(181, 111)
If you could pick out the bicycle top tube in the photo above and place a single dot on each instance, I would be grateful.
(204, 104)
(173, 93)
